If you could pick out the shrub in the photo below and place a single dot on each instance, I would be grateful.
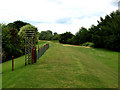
(90, 44)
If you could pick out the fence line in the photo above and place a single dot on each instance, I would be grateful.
(38, 53)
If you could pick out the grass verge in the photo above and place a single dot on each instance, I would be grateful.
(65, 67)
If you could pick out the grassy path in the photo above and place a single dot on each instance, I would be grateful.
(65, 67)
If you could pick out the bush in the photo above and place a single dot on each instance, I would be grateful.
(90, 44)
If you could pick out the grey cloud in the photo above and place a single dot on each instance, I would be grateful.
(115, 3)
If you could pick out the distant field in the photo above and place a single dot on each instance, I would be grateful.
(64, 67)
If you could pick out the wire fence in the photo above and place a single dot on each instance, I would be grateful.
(36, 54)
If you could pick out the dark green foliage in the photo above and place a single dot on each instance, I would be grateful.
(56, 36)
(74, 40)
(66, 38)
(107, 33)
(90, 44)
(17, 24)
(82, 36)
(5, 41)
(45, 35)
(11, 43)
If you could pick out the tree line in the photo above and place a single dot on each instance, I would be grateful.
(48, 35)
(106, 34)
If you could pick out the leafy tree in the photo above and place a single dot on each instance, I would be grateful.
(82, 36)
(17, 24)
(66, 38)
(46, 35)
(28, 27)
(56, 36)
(55, 33)
(6, 44)
(107, 33)
(11, 43)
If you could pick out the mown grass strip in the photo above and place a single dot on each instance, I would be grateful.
(65, 67)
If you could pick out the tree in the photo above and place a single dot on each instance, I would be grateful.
(11, 43)
(107, 33)
(46, 35)
(66, 38)
(56, 36)
(82, 36)
(28, 27)
(17, 24)
(6, 44)
(55, 33)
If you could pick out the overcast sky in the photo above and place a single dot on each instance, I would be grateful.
(56, 15)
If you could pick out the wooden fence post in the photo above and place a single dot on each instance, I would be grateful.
(35, 55)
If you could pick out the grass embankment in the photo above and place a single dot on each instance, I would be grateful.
(65, 67)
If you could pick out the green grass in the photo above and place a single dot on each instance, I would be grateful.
(55, 41)
(64, 67)
(41, 43)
